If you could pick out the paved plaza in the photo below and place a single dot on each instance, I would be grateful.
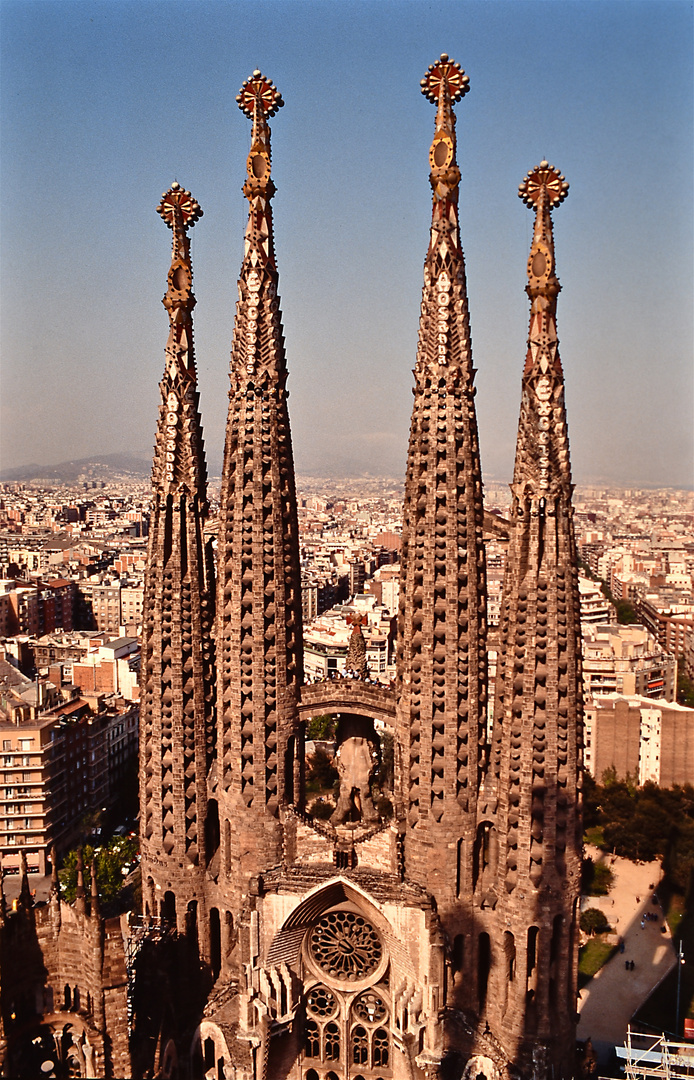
(608, 1002)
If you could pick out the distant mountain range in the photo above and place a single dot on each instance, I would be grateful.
(101, 467)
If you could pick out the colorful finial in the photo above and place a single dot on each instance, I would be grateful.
(179, 201)
(445, 77)
(259, 91)
(444, 84)
(544, 177)
(542, 189)
(259, 99)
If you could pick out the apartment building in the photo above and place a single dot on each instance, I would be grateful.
(639, 738)
(626, 660)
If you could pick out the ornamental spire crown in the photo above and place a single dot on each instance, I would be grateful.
(542, 456)
(179, 457)
(259, 99)
(443, 85)
(542, 189)
(180, 211)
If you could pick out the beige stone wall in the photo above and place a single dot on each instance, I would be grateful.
(616, 734)
(677, 747)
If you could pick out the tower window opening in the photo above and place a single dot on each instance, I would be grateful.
(458, 952)
(532, 950)
(211, 830)
(484, 955)
(531, 982)
(215, 942)
(459, 868)
(192, 921)
(168, 908)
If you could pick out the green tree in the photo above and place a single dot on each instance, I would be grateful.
(111, 860)
(596, 878)
(321, 774)
(685, 686)
(594, 921)
(321, 728)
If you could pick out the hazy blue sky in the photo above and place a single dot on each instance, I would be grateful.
(104, 104)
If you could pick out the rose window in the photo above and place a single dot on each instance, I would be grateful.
(320, 1002)
(369, 1008)
(346, 946)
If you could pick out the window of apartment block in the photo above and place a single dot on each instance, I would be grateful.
(25, 744)
(7, 744)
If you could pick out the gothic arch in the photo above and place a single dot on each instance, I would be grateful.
(286, 944)
(210, 1036)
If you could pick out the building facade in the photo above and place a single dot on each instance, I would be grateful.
(307, 928)
(626, 660)
(432, 935)
(640, 739)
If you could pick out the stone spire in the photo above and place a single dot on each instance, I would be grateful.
(535, 767)
(54, 897)
(95, 909)
(441, 680)
(80, 893)
(177, 682)
(259, 636)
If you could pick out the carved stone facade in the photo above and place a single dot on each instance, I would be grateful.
(177, 734)
(439, 942)
(64, 991)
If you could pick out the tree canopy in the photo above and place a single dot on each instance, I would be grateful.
(644, 823)
(120, 854)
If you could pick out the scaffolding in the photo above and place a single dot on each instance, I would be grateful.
(644, 1056)
(141, 929)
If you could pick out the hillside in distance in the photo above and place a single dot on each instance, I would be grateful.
(105, 467)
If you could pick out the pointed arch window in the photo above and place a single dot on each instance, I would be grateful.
(360, 1046)
(332, 1042)
(312, 1040)
(381, 1049)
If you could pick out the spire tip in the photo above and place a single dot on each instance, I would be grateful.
(177, 198)
(544, 177)
(447, 75)
(258, 90)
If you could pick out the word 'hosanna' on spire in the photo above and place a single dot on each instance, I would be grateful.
(430, 935)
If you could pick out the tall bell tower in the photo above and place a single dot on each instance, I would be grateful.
(442, 660)
(259, 630)
(536, 759)
(177, 730)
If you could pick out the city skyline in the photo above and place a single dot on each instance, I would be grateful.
(85, 259)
